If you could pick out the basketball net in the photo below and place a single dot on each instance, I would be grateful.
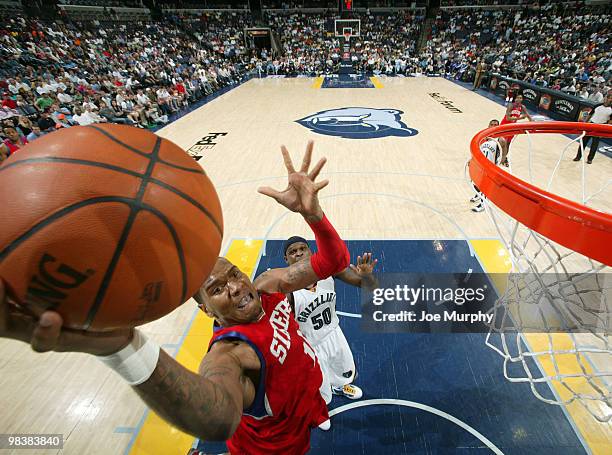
(553, 321)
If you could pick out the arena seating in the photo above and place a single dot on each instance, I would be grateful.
(110, 61)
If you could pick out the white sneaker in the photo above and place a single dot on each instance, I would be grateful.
(475, 198)
(349, 390)
(325, 426)
(478, 208)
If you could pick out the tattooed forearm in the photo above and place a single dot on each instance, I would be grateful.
(191, 402)
(298, 276)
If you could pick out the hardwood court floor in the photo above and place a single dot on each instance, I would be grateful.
(386, 188)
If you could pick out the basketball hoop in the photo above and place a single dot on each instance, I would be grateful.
(553, 321)
(347, 37)
(573, 225)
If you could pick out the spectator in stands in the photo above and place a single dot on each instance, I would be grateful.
(113, 116)
(82, 118)
(600, 115)
(43, 102)
(13, 142)
(596, 97)
(46, 123)
(8, 101)
(35, 133)
(24, 126)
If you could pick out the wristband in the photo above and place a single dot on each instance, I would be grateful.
(136, 362)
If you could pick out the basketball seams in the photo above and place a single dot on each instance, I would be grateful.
(135, 205)
(53, 159)
(114, 168)
(56, 215)
(146, 155)
(178, 245)
(189, 199)
(135, 208)
(117, 141)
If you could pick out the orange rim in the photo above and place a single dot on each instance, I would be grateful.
(583, 229)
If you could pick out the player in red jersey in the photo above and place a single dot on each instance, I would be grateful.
(258, 385)
(514, 112)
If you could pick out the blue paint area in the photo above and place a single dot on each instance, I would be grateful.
(347, 81)
(454, 373)
(358, 123)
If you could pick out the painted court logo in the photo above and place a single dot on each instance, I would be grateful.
(358, 123)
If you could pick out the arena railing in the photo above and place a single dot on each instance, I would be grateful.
(122, 12)
(555, 103)
(511, 7)
(197, 11)
(10, 5)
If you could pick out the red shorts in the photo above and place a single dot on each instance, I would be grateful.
(509, 137)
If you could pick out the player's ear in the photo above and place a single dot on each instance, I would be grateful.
(208, 312)
(200, 298)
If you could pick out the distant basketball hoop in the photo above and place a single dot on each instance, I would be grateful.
(342, 26)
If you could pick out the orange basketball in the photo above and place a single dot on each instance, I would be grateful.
(111, 226)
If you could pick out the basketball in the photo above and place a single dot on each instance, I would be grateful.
(110, 225)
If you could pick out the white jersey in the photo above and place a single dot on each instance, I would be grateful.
(315, 311)
(490, 149)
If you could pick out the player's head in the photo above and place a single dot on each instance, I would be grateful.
(493, 123)
(518, 98)
(228, 295)
(296, 249)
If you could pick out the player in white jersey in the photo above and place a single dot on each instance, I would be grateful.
(491, 149)
(315, 312)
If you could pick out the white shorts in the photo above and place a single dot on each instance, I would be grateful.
(336, 360)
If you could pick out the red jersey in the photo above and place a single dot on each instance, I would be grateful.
(515, 112)
(287, 401)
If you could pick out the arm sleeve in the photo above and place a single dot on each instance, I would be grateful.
(332, 255)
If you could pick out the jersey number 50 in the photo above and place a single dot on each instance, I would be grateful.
(321, 319)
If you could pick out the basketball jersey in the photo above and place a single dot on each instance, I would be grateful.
(315, 310)
(490, 150)
(287, 401)
(515, 112)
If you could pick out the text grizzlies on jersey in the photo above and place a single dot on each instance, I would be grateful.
(281, 341)
(320, 300)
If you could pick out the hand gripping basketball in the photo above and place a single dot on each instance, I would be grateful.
(301, 192)
(98, 230)
(46, 333)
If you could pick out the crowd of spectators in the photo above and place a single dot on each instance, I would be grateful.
(55, 75)
(561, 46)
(310, 47)
(63, 73)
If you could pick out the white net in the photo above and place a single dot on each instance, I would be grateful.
(553, 320)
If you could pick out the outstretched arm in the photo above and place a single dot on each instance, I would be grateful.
(301, 195)
(362, 274)
(207, 405)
